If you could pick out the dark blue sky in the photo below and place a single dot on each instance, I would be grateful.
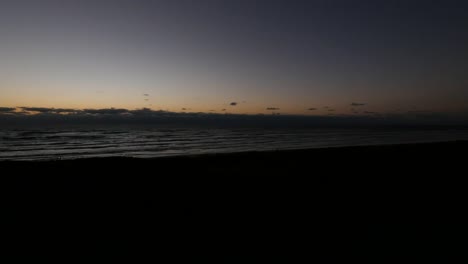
(392, 56)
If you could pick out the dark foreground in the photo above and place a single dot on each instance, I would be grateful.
(371, 204)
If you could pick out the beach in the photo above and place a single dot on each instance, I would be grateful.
(237, 132)
(365, 203)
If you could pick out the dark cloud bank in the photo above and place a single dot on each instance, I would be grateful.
(6, 109)
(39, 116)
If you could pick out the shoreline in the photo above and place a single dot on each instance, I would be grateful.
(252, 152)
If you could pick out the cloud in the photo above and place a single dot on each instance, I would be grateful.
(39, 116)
(38, 109)
(358, 104)
(141, 112)
(45, 110)
(63, 110)
(7, 109)
(312, 109)
(106, 111)
(233, 104)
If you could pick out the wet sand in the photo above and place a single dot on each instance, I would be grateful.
(370, 204)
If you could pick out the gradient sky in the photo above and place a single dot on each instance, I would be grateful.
(394, 56)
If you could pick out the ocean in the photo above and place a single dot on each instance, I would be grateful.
(77, 143)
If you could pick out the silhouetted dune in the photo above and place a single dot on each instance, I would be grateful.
(368, 204)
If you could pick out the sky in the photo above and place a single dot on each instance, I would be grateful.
(299, 57)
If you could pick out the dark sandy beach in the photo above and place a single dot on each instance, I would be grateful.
(370, 204)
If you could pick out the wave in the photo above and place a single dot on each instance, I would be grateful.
(86, 143)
